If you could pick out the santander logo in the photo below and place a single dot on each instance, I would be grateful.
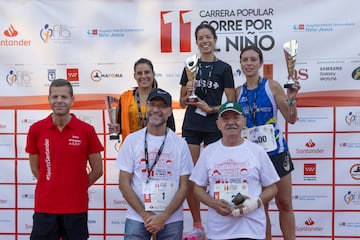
(11, 31)
(310, 144)
(310, 226)
(310, 148)
(12, 40)
(309, 222)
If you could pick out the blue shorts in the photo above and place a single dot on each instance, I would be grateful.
(135, 230)
(197, 137)
(53, 226)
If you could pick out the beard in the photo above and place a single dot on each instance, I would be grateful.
(156, 120)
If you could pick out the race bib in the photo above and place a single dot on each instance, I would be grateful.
(263, 135)
(158, 194)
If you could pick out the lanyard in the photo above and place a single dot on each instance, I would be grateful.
(141, 120)
(204, 90)
(252, 109)
(149, 170)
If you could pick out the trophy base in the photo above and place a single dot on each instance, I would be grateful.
(192, 99)
(114, 137)
(290, 85)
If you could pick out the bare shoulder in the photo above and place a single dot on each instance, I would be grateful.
(274, 83)
(275, 86)
(278, 92)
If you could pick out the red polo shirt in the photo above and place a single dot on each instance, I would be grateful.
(62, 185)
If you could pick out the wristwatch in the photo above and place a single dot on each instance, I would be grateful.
(292, 102)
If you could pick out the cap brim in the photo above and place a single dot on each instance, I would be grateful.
(233, 110)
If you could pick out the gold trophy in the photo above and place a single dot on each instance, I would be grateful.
(192, 64)
(111, 104)
(290, 51)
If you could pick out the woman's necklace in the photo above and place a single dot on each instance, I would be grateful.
(142, 120)
(206, 67)
(253, 109)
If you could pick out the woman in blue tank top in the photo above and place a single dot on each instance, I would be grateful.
(261, 98)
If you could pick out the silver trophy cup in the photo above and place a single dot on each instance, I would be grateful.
(192, 64)
(111, 104)
(290, 51)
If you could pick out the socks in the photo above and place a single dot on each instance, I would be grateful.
(198, 225)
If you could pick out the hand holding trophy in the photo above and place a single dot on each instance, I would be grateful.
(290, 51)
(111, 107)
(192, 65)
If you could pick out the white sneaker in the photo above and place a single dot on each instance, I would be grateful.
(195, 234)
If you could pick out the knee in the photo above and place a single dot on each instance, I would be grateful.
(284, 205)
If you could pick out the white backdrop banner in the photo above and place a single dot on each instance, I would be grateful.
(94, 44)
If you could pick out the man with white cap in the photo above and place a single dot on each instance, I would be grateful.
(240, 178)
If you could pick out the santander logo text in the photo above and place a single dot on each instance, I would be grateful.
(309, 226)
(310, 148)
(12, 38)
(175, 30)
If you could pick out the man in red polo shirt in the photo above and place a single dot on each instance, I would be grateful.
(60, 147)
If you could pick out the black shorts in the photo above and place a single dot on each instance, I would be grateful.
(53, 226)
(282, 163)
(197, 137)
(242, 239)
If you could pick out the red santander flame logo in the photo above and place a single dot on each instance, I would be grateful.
(11, 31)
(309, 222)
(310, 144)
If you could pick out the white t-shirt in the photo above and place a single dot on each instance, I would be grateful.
(174, 161)
(246, 165)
